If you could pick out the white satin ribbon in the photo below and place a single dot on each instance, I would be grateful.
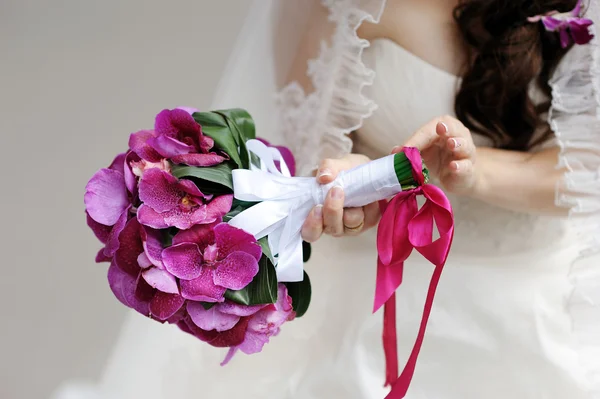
(286, 201)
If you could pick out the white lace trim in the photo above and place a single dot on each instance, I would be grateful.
(575, 118)
(316, 126)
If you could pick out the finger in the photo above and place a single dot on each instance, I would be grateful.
(313, 226)
(423, 138)
(354, 221)
(460, 148)
(461, 167)
(372, 215)
(333, 212)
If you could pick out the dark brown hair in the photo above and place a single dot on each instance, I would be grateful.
(507, 53)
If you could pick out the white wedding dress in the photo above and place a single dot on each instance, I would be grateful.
(514, 317)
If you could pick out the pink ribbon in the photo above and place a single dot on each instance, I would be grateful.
(405, 227)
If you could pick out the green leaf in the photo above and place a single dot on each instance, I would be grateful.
(262, 289)
(242, 127)
(220, 174)
(215, 126)
(207, 305)
(237, 207)
(243, 120)
(306, 251)
(264, 243)
(300, 292)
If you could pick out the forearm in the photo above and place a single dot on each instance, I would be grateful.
(518, 181)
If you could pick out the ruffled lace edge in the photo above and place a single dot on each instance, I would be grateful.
(317, 125)
(575, 119)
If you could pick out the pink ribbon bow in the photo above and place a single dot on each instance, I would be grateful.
(402, 228)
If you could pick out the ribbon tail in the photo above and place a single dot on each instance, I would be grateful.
(390, 341)
(400, 387)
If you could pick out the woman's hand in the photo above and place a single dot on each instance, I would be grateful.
(447, 148)
(331, 217)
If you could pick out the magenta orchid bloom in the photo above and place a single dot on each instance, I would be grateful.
(264, 324)
(177, 137)
(245, 328)
(169, 202)
(209, 259)
(569, 25)
(133, 288)
(108, 202)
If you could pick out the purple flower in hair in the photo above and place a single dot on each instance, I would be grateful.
(569, 25)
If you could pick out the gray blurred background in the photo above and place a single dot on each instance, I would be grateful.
(77, 76)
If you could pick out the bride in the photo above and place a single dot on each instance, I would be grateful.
(517, 310)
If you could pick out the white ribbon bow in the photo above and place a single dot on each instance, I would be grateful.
(285, 201)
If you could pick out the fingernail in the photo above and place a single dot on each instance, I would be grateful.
(456, 166)
(318, 211)
(444, 127)
(455, 143)
(337, 193)
(324, 172)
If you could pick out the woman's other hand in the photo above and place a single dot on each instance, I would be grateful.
(448, 150)
(331, 218)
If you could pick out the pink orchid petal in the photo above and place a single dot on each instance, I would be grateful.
(130, 178)
(118, 164)
(230, 239)
(190, 188)
(219, 207)
(175, 218)
(161, 280)
(211, 319)
(123, 287)
(100, 231)
(149, 217)
(206, 144)
(180, 315)
(164, 305)
(101, 257)
(126, 257)
(210, 253)
(138, 143)
(202, 288)
(253, 342)
(153, 247)
(229, 307)
(552, 24)
(169, 147)
(229, 356)
(172, 122)
(112, 241)
(580, 31)
(236, 271)
(576, 12)
(225, 339)
(184, 261)
(211, 159)
(201, 234)
(267, 320)
(106, 196)
(143, 261)
(160, 190)
(143, 291)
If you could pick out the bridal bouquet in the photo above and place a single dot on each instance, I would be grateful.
(162, 209)
(201, 224)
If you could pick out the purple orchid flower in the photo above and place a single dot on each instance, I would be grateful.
(177, 137)
(209, 259)
(168, 202)
(569, 25)
(264, 324)
(135, 287)
(108, 202)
